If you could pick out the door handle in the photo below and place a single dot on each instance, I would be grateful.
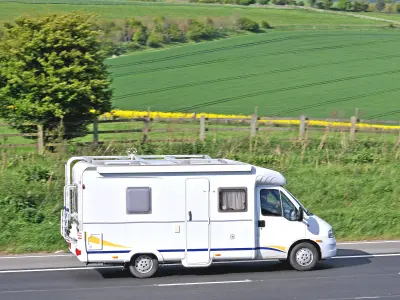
(261, 223)
(190, 216)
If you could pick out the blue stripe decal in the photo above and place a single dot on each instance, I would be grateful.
(190, 250)
(109, 252)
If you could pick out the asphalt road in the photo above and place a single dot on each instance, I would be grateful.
(360, 271)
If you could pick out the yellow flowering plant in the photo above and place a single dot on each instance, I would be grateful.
(127, 114)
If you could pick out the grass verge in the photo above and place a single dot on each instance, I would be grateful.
(353, 186)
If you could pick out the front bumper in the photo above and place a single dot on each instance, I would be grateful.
(328, 248)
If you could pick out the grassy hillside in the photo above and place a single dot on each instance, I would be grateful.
(316, 73)
(146, 11)
(343, 183)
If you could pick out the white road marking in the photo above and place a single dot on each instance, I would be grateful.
(202, 283)
(36, 256)
(366, 255)
(367, 242)
(366, 297)
(57, 269)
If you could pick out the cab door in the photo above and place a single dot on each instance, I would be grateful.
(277, 225)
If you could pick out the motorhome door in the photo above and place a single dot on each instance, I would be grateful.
(197, 250)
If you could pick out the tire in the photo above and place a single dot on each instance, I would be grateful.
(303, 257)
(143, 266)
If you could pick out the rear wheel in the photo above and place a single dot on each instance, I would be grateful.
(303, 257)
(143, 266)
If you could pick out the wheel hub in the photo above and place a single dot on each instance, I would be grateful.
(304, 257)
(143, 264)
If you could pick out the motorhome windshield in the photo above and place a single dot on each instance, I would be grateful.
(299, 203)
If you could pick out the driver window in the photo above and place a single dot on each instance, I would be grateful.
(270, 203)
(289, 210)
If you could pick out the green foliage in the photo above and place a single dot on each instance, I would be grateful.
(140, 35)
(155, 39)
(248, 24)
(320, 5)
(344, 5)
(197, 31)
(301, 3)
(174, 34)
(263, 2)
(380, 5)
(280, 2)
(35, 173)
(313, 3)
(328, 4)
(360, 6)
(53, 73)
(265, 24)
(246, 2)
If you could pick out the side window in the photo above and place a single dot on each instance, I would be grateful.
(270, 203)
(138, 200)
(232, 200)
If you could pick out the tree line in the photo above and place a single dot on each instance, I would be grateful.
(388, 6)
(131, 34)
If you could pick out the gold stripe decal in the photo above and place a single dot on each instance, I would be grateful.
(95, 240)
(278, 248)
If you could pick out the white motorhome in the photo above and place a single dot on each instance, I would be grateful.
(143, 211)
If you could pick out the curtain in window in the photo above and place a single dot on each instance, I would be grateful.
(233, 200)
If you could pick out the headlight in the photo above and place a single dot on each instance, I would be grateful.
(330, 234)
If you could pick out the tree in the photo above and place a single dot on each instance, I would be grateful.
(344, 4)
(380, 4)
(53, 72)
(328, 4)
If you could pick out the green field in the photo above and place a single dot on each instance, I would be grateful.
(319, 73)
(277, 17)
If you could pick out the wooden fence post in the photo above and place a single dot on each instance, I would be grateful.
(40, 139)
(202, 128)
(353, 121)
(253, 127)
(147, 121)
(302, 127)
(95, 131)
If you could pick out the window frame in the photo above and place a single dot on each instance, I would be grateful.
(281, 190)
(150, 211)
(246, 199)
(280, 202)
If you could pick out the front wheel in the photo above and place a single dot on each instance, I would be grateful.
(143, 266)
(303, 257)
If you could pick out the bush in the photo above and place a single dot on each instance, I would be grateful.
(248, 24)
(174, 34)
(246, 2)
(280, 2)
(301, 3)
(320, 5)
(265, 24)
(140, 36)
(328, 4)
(263, 2)
(156, 39)
(198, 31)
(380, 5)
